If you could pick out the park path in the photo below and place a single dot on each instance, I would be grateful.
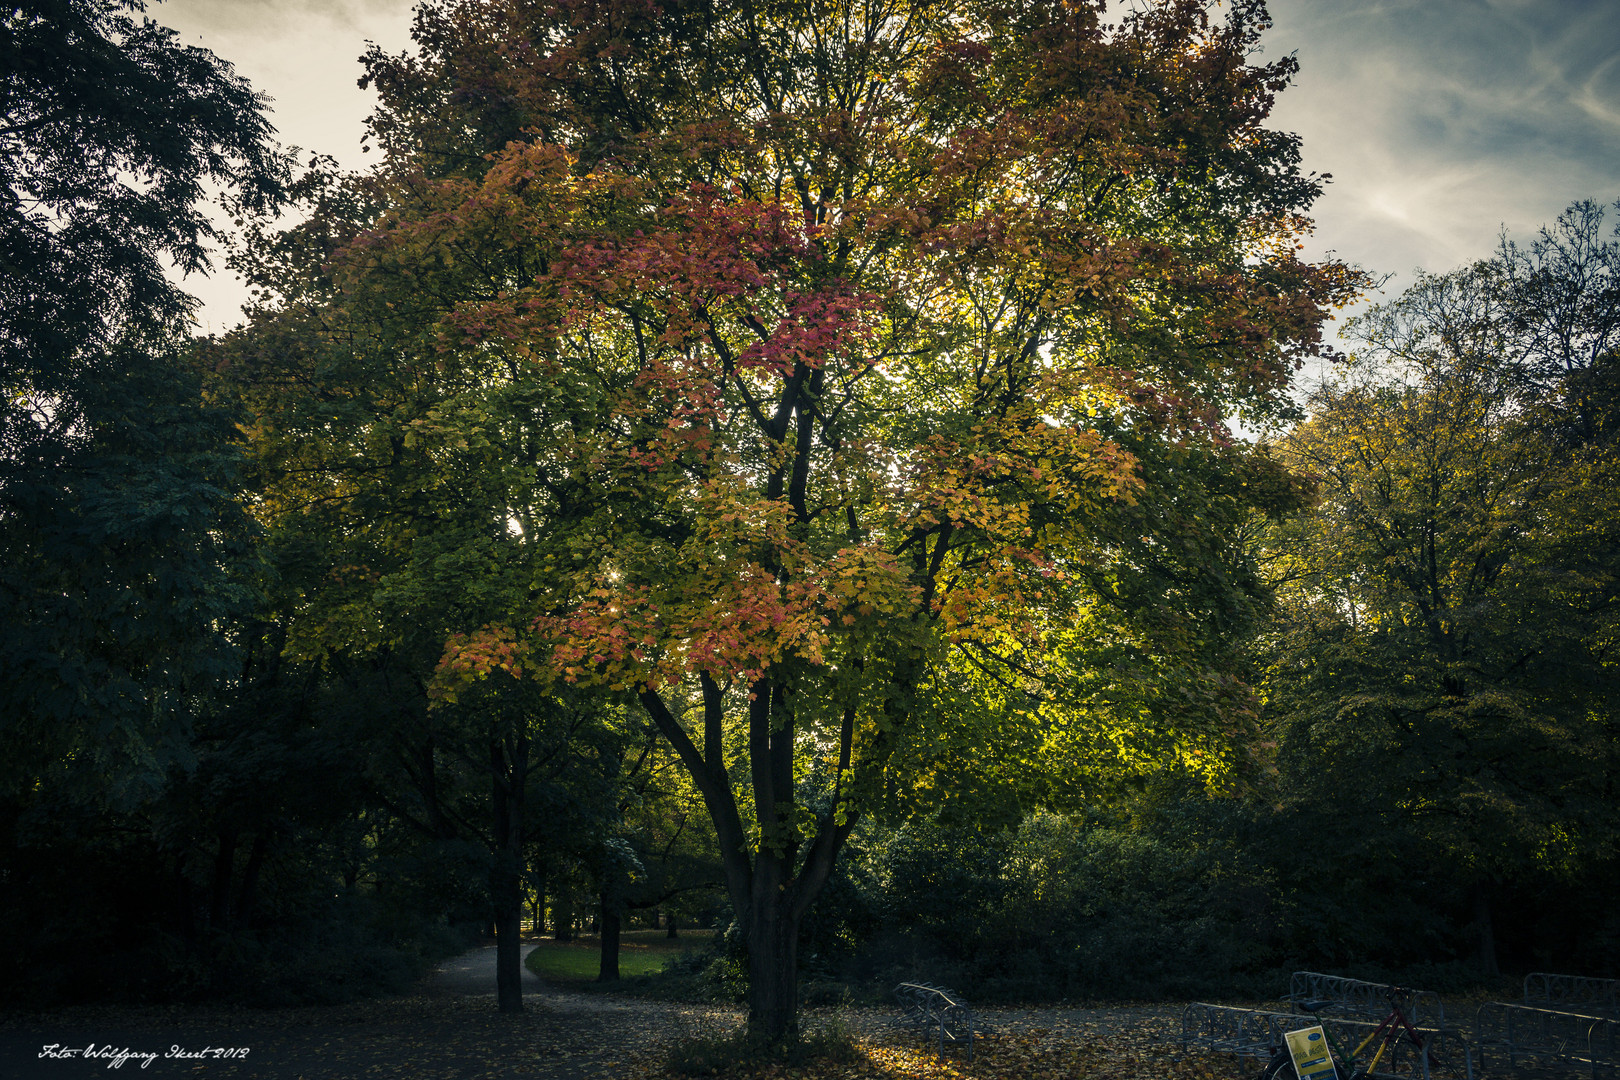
(473, 973)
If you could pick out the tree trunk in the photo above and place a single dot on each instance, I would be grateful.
(540, 883)
(670, 933)
(562, 917)
(773, 969)
(506, 869)
(608, 970)
(1487, 934)
(219, 900)
(185, 897)
(247, 896)
(509, 959)
(428, 783)
(764, 890)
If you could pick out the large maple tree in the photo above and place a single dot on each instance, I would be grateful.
(867, 364)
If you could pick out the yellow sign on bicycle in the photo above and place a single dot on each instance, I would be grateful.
(1309, 1049)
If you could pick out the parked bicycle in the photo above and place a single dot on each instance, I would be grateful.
(1388, 1041)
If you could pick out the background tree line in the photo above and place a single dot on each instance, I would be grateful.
(1344, 699)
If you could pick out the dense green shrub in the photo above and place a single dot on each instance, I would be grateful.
(1061, 907)
(1179, 893)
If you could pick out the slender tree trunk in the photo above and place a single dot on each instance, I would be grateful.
(509, 771)
(562, 917)
(509, 959)
(670, 933)
(248, 894)
(428, 784)
(608, 969)
(1487, 933)
(219, 900)
(186, 898)
(539, 898)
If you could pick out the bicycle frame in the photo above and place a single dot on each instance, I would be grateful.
(1388, 1032)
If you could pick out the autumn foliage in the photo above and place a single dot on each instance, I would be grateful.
(856, 376)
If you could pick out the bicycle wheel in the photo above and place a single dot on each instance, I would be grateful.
(1280, 1067)
(1443, 1064)
(1403, 1059)
(1406, 1056)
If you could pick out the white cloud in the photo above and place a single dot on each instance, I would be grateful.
(1599, 94)
(305, 55)
(1444, 120)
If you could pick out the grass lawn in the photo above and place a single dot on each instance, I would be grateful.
(641, 952)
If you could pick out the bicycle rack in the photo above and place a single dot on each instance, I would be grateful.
(1258, 1033)
(1572, 993)
(936, 1011)
(1226, 1030)
(1592, 1042)
(1365, 999)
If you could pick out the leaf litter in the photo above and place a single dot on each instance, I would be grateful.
(566, 1036)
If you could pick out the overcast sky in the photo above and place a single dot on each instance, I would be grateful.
(1440, 120)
